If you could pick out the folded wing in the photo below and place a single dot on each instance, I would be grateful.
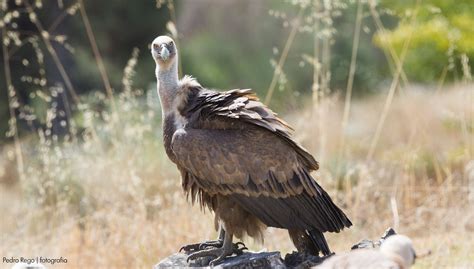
(233, 145)
(260, 171)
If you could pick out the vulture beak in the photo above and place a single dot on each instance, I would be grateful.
(164, 52)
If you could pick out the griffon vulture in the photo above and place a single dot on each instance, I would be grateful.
(238, 158)
(396, 252)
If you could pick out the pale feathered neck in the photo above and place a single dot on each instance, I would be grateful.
(168, 84)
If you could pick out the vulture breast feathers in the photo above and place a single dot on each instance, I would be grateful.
(231, 144)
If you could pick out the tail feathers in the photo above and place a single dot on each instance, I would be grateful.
(310, 242)
(319, 241)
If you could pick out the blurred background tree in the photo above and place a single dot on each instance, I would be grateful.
(443, 37)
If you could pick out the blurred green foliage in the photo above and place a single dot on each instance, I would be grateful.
(227, 51)
(229, 44)
(440, 33)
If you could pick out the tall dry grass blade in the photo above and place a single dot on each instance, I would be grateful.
(467, 78)
(466, 69)
(316, 86)
(44, 36)
(326, 50)
(391, 55)
(467, 120)
(316, 66)
(350, 82)
(59, 19)
(284, 54)
(176, 38)
(13, 123)
(393, 87)
(441, 80)
(97, 55)
(395, 215)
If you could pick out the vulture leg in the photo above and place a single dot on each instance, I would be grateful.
(214, 243)
(200, 246)
(238, 247)
(309, 242)
(227, 249)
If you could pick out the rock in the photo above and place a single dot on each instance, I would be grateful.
(261, 260)
(298, 260)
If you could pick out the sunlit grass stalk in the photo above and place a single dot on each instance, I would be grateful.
(390, 55)
(441, 79)
(59, 19)
(391, 94)
(97, 56)
(468, 120)
(172, 10)
(350, 82)
(44, 35)
(13, 123)
(284, 54)
(395, 214)
(316, 86)
(326, 49)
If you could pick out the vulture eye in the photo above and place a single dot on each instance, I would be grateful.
(170, 44)
(156, 46)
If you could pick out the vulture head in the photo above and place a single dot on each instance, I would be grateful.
(399, 246)
(164, 52)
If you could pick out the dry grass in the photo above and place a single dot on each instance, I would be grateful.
(114, 200)
(108, 197)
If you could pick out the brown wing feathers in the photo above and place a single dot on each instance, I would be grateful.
(252, 159)
(243, 105)
(303, 211)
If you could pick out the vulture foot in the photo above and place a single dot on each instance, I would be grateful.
(219, 254)
(205, 245)
(201, 246)
(216, 251)
(211, 244)
(238, 247)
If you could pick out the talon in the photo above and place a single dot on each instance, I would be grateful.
(215, 244)
(240, 251)
(202, 253)
(239, 248)
(189, 258)
(226, 248)
(189, 248)
(216, 260)
(201, 246)
(184, 248)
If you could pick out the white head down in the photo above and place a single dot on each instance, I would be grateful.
(401, 247)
